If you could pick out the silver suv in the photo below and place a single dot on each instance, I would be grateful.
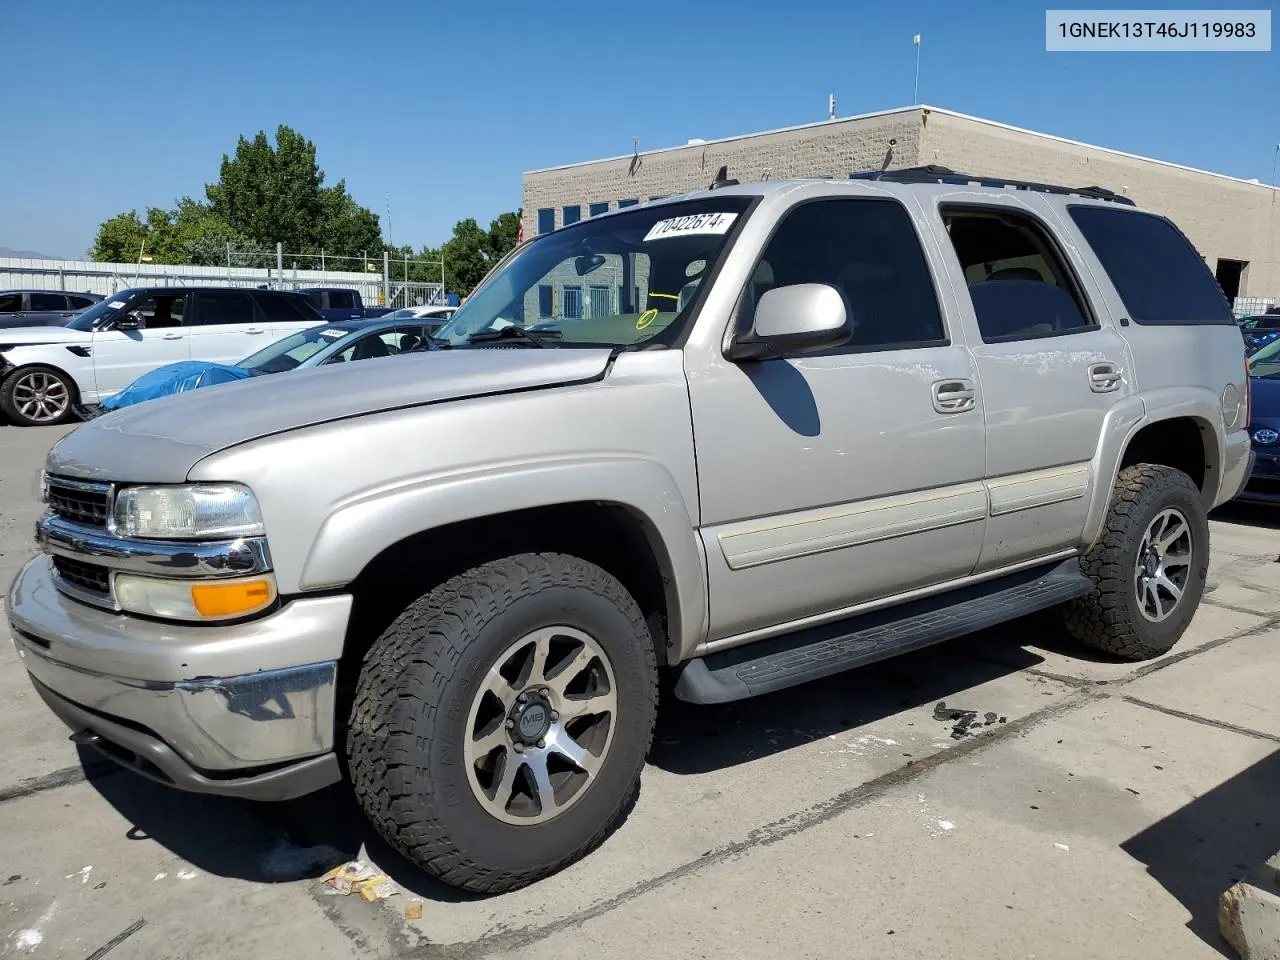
(747, 437)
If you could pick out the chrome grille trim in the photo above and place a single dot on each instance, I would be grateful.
(81, 501)
(179, 559)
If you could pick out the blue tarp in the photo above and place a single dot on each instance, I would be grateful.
(174, 378)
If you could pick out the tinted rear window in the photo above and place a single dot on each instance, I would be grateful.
(341, 300)
(1157, 272)
(282, 309)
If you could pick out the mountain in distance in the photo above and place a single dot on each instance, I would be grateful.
(27, 254)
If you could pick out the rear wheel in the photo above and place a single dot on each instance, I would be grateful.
(501, 723)
(1148, 567)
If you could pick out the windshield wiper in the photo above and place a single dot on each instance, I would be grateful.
(515, 332)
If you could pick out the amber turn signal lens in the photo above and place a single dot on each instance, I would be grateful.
(232, 599)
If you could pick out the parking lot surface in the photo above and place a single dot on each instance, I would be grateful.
(1100, 812)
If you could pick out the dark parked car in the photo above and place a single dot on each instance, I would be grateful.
(42, 308)
(1264, 425)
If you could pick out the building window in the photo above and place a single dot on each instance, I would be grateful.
(546, 300)
(662, 197)
(598, 208)
(572, 214)
(572, 303)
(627, 203)
(599, 302)
(546, 220)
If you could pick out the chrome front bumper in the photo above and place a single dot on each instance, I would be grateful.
(223, 709)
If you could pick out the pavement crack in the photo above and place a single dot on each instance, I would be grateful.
(765, 836)
(59, 778)
(1196, 718)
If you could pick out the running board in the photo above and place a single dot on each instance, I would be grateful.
(781, 662)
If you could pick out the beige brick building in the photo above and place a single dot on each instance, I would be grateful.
(1234, 223)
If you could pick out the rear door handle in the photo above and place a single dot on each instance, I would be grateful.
(954, 396)
(172, 336)
(1105, 377)
(255, 330)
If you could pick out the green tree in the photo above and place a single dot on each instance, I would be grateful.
(466, 256)
(119, 239)
(502, 234)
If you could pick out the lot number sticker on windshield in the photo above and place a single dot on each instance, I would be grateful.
(116, 304)
(699, 223)
(333, 333)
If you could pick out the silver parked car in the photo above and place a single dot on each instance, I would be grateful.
(751, 436)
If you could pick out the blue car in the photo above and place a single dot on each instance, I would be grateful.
(314, 347)
(1259, 331)
(1264, 425)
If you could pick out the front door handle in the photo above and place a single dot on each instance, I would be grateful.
(256, 330)
(172, 336)
(954, 396)
(1105, 377)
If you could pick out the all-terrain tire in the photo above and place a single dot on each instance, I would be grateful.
(405, 744)
(1110, 619)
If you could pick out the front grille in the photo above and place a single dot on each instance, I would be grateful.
(86, 576)
(80, 502)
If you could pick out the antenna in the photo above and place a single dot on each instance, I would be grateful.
(915, 90)
(831, 105)
(389, 243)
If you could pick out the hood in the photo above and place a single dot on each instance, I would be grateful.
(43, 334)
(161, 440)
(36, 320)
(1264, 399)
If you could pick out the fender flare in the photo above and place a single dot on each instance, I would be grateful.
(1128, 418)
(362, 527)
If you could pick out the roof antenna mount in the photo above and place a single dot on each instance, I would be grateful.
(722, 179)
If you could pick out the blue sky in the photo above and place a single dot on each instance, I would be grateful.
(108, 106)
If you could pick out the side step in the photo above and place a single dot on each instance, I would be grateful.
(781, 662)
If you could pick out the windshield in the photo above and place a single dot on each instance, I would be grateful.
(288, 353)
(1265, 364)
(90, 318)
(619, 281)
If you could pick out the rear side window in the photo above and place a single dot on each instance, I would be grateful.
(281, 309)
(1157, 272)
(224, 308)
(79, 303)
(10, 303)
(341, 300)
(48, 301)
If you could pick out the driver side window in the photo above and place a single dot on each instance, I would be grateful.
(159, 312)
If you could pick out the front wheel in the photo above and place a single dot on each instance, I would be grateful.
(37, 396)
(501, 722)
(1148, 566)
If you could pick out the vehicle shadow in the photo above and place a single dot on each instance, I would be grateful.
(1200, 850)
(1244, 514)
(301, 839)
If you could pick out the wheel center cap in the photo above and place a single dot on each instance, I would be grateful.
(532, 721)
(1152, 563)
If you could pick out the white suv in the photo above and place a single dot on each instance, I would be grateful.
(44, 371)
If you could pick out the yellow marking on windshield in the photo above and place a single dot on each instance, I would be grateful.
(668, 296)
(646, 318)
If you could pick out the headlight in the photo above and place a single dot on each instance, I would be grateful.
(195, 600)
(189, 512)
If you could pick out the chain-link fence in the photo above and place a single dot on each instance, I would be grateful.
(1252, 306)
(380, 279)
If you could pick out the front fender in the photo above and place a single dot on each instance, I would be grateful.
(360, 528)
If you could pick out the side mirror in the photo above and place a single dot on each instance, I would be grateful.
(797, 319)
(128, 321)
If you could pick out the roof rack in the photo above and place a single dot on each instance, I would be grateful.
(933, 173)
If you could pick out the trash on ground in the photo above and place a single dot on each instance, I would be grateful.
(354, 876)
(966, 721)
(1062, 846)
(187, 874)
(413, 910)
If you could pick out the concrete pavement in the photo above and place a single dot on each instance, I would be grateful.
(1103, 817)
